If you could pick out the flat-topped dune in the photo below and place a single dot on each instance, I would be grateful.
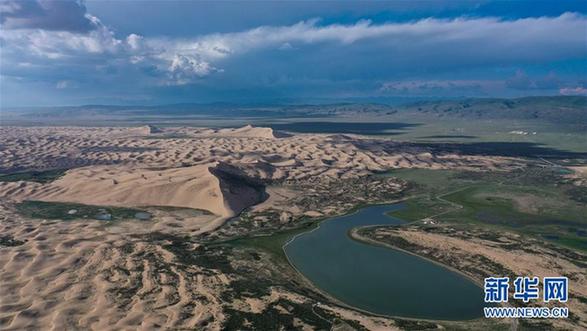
(248, 131)
(208, 187)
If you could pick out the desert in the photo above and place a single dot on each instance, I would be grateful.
(83, 273)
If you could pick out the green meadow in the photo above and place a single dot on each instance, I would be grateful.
(535, 201)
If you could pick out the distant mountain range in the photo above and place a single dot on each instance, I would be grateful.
(558, 109)
(553, 109)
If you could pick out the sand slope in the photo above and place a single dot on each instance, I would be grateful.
(250, 131)
(208, 186)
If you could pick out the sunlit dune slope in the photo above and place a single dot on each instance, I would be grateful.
(215, 187)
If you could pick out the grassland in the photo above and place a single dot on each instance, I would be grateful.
(273, 243)
(72, 211)
(454, 130)
(34, 176)
(536, 201)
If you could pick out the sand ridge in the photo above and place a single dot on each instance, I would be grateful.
(83, 275)
(297, 157)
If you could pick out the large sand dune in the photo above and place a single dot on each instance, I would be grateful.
(208, 186)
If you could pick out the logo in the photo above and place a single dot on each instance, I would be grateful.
(526, 289)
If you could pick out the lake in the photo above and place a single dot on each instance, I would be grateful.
(379, 279)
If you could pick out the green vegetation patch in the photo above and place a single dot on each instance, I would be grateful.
(72, 211)
(273, 244)
(577, 193)
(34, 176)
(422, 207)
(282, 312)
(9, 241)
(537, 201)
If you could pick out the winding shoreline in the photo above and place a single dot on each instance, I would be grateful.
(354, 234)
(351, 234)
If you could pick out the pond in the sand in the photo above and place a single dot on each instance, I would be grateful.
(379, 279)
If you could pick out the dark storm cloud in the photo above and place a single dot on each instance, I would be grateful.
(60, 15)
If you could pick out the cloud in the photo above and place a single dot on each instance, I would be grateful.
(134, 41)
(454, 41)
(43, 39)
(63, 84)
(521, 81)
(573, 91)
(423, 85)
(62, 15)
(286, 47)
(184, 69)
(59, 44)
(503, 34)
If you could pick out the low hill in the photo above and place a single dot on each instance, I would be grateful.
(557, 109)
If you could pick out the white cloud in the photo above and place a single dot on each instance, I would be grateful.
(438, 41)
(184, 69)
(63, 84)
(9, 7)
(573, 91)
(421, 85)
(286, 47)
(136, 59)
(60, 44)
(134, 41)
(568, 29)
(522, 39)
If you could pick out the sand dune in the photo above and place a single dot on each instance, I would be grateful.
(208, 186)
(81, 275)
(296, 157)
(247, 131)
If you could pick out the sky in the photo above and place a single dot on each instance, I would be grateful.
(135, 52)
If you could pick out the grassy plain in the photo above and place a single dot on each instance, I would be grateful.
(535, 201)
(453, 130)
(71, 211)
